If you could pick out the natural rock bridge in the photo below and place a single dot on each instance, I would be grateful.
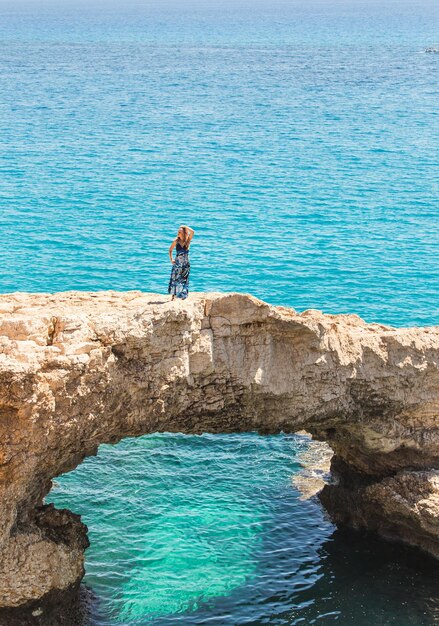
(80, 369)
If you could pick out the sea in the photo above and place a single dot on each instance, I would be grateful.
(300, 140)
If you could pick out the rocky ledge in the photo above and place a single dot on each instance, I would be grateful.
(79, 369)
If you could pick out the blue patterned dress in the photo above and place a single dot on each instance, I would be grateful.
(179, 281)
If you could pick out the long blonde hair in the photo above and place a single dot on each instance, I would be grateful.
(185, 243)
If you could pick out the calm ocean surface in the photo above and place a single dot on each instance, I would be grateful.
(300, 140)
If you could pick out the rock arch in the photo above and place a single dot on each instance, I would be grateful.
(79, 369)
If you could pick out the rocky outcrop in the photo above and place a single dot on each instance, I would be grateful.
(80, 369)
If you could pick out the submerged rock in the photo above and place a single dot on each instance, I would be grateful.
(79, 369)
(315, 472)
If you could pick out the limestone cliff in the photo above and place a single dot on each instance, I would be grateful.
(80, 369)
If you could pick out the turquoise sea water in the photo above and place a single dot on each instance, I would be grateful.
(300, 140)
(189, 531)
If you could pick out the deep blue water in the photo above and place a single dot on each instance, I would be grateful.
(300, 140)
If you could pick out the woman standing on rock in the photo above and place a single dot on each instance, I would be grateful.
(179, 281)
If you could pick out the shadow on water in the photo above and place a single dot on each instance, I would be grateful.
(353, 578)
(360, 580)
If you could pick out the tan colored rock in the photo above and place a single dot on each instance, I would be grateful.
(79, 369)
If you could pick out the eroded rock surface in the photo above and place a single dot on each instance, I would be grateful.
(79, 369)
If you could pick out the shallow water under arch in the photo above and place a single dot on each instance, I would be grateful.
(213, 529)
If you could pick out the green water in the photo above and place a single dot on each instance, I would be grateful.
(184, 519)
(208, 529)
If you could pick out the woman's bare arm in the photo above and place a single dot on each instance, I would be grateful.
(191, 233)
(171, 247)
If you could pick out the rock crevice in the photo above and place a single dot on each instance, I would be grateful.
(79, 369)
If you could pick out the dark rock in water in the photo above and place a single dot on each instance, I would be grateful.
(432, 49)
(397, 507)
(70, 607)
